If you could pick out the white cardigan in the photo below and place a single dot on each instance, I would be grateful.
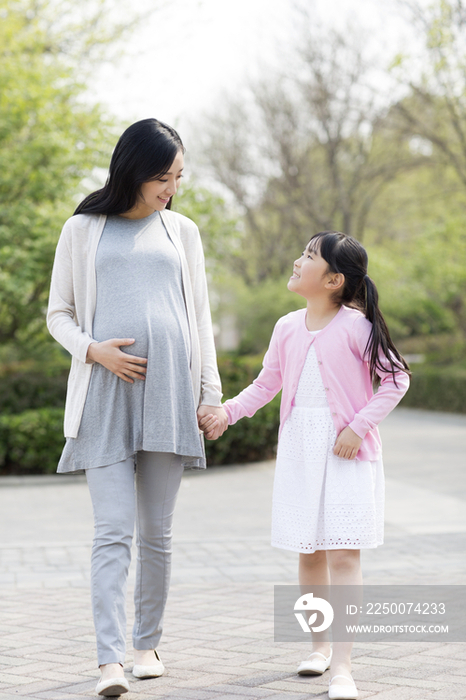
(73, 298)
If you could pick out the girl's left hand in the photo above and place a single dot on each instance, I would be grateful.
(347, 444)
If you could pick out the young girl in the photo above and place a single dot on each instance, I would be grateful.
(329, 486)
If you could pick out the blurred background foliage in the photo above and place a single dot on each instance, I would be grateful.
(325, 146)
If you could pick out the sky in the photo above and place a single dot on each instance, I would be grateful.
(189, 52)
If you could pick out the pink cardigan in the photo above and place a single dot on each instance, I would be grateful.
(345, 373)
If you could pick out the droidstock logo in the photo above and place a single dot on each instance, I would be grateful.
(308, 603)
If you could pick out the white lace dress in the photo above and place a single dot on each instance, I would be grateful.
(321, 501)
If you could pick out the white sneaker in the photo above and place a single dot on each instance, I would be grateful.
(316, 664)
(153, 671)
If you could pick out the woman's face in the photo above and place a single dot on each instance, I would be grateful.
(156, 194)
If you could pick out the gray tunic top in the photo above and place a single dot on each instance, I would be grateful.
(140, 296)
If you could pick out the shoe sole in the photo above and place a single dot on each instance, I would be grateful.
(113, 690)
(148, 675)
(306, 672)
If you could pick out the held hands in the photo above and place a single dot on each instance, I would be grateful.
(347, 444)
(108, 354)
(212, 421)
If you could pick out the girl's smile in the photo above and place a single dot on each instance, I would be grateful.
(310, 273)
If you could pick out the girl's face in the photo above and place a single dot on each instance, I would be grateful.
(310, 273)
(155, 194)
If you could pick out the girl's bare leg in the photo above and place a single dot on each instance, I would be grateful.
(345, 570)
(314, 571)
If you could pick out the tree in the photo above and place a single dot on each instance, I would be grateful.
(422, 284)
(305, 152)
(50, 138)
(219, 226)
(434, 109)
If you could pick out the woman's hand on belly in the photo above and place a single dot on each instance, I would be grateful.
(125, 366)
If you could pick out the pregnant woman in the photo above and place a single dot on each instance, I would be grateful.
(129, 301)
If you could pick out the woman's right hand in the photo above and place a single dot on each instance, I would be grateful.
(108, 354)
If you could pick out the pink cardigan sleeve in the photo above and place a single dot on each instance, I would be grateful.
(262, 390)
(389, 393)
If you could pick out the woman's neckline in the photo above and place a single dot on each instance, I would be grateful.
(143, 218)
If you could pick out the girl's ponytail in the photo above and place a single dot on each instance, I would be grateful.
(347, 256)
(379, 339)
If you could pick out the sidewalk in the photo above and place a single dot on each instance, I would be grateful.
(218, 639)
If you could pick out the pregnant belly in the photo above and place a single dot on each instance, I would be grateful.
(148, 333)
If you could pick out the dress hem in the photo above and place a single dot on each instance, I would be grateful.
(324, 549)
(187, 461)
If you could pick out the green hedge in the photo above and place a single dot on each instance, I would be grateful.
(251, 439)
(437, 389)
(31, 440)
(26, 390)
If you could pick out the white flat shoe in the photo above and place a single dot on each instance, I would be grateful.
(153, 671)
(316, 664)
(342, 692)
(112, 687)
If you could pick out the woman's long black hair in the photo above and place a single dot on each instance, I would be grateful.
(145, 151)
(347, 256)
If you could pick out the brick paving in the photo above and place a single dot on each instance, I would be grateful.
(218, 639)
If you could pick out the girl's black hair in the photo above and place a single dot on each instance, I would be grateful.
(145, 151)
(347, 256)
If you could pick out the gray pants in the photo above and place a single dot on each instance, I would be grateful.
(112, 488)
